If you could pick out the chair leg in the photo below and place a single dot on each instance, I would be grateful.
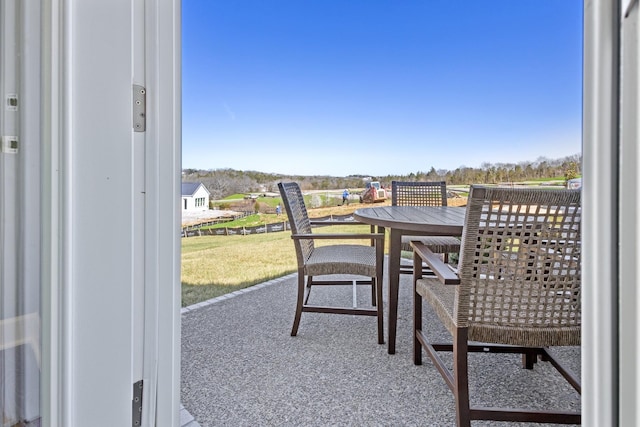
(529, 358)
(299, 304)
(380, 312)
(461, 377)
(417, 326)
(308, 291)
(379, 283)
(374, 286)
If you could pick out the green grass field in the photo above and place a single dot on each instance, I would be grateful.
(216, 265)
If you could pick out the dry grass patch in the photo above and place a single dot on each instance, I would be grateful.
(216, 265)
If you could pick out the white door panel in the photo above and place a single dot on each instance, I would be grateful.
(105, 217)
(20, 344)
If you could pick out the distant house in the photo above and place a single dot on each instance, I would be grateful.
(195, 196)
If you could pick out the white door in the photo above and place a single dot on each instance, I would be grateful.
(104, 210)
(110, 212)
(20, 346)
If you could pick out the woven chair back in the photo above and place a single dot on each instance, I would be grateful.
(406, 193)
(520, 259)
(298, 218)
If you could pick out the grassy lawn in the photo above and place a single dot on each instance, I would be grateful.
(216, 265)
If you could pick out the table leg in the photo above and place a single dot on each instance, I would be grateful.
(394, 285)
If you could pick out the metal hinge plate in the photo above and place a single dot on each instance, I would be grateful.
(136, 420)
(9, 144)
(139, 108)
(12, 102)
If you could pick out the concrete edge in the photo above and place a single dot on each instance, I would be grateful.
(212, 301)
(186, 419)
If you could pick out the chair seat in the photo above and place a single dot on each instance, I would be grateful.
(437, 244)
(342, 259)
(442, 299)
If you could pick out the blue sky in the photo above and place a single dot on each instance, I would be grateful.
(379, 87)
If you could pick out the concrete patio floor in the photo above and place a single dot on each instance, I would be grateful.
(241, 367)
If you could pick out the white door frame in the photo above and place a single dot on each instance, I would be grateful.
(19, 210)
(611, 324)
(629, 229)
(600, 202)
(163, 219)
(90, 297)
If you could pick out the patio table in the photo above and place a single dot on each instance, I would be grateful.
(413, 221)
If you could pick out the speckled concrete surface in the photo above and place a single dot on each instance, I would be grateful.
(240, 367)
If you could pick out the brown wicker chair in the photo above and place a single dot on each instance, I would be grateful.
(517, 290)
(430, 193)
(353, 259)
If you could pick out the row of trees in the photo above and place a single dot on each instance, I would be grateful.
(224, 182)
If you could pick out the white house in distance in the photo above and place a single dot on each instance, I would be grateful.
(195, 196)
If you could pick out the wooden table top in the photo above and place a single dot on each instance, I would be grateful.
(444, 220)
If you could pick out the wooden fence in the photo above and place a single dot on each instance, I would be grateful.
(259, 229)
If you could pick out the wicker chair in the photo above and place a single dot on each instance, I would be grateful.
(352, 259)
(434, 193)
(517, 290)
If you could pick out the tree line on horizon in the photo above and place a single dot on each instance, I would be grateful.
(224, 182)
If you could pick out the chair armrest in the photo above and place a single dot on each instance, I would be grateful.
(435, 263)
(377, 236)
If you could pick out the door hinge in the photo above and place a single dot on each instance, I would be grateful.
(9, 144)
(139, 108)
(12, 102)
(136, 418)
